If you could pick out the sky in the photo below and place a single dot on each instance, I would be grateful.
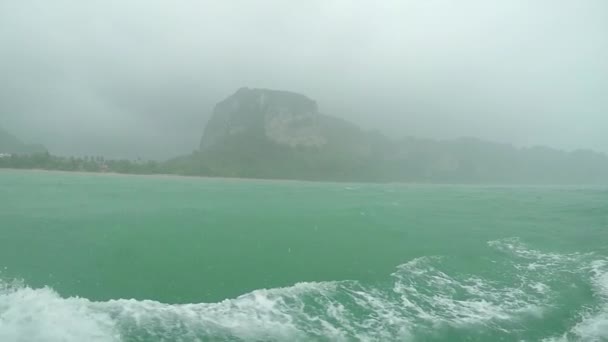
(139, 78)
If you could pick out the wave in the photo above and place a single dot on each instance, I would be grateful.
(424, 299)
(592, 325)
(592, 322)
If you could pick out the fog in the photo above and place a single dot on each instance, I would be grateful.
(139, 78)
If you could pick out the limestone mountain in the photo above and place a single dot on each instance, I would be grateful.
(265, 133)
(282, 118)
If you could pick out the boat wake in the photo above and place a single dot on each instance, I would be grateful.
(424, 299)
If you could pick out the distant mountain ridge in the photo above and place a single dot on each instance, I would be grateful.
(264, 133)
(9, 144)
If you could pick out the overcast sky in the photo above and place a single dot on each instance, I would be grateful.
(140, 77)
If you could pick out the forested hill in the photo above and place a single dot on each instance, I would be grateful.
(265, 133)
(261, 133)
(9, 144)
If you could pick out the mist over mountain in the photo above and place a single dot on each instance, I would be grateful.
(128, 79)
(276, 134)
(9, 144)
(265, 133)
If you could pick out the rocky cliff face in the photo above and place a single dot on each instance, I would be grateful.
(282, 117)
(263, 133)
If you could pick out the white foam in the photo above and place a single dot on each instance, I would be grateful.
(537, 259)
(593, 325)
(599, 271)
(301, 312)
(592, 328)
(339, 311)
(422, 298)
(41, 315)
(539, 287)
(457, 301)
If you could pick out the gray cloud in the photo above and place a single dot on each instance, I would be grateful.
(128, 78)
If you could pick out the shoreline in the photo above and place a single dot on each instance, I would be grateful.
(286, 180)
(177, 176)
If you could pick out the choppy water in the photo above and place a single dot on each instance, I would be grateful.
(118, 258)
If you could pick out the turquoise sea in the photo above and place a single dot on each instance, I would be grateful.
(86, 257)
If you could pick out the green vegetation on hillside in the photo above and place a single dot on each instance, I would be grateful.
(9, 144)
(46, 161)
(260, 133)
(410, 160)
